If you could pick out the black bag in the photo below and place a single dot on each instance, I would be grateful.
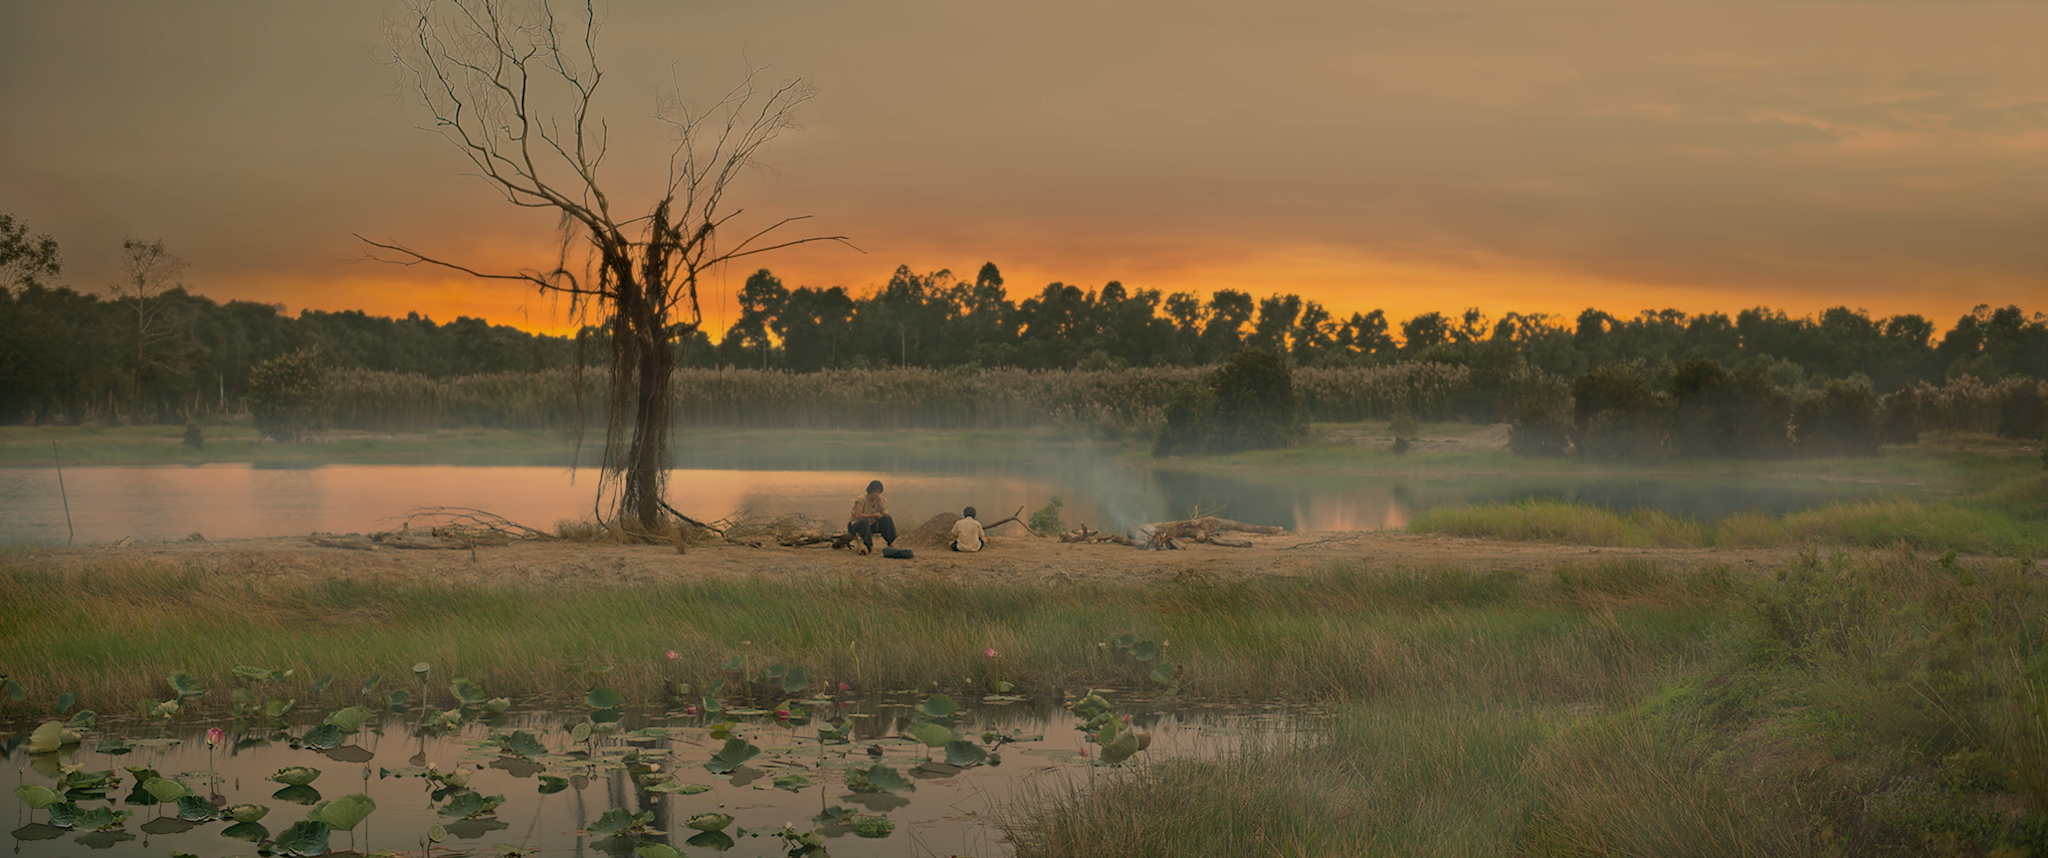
(897, 553)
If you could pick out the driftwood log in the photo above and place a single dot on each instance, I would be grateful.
(1175, 534)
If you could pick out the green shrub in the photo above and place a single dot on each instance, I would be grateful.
(285, 394)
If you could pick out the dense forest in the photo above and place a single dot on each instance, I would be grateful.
(934, 350)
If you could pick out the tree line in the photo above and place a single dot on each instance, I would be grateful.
(150, 350)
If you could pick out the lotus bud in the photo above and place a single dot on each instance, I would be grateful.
(781, 714)
(672, 655)
(215, 735)
(991, 653)
(690, 711)
(845, 687)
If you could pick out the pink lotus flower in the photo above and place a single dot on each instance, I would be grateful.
(690, 711)
(991, 653)
(845, 687)
(781, 714)
(215, 736)
(671, 655)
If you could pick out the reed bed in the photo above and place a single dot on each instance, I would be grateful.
(2008, 521)
(1890, 704)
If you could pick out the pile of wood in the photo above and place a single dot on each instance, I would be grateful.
(1166, 535)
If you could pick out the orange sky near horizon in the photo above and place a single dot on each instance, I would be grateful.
(1400, 155)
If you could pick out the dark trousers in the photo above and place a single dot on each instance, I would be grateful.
(866, 528)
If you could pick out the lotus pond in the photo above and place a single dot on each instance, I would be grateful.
(849, 775)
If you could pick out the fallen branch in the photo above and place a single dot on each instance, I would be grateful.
(1014, 517)
(461, 522)
(688, 520)
(1327, 540)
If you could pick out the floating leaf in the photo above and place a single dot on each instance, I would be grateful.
(252, 674)
(64, 814)
(617, 820)
(247, 812)
(186, 686)
(930, 734)
(469, 804)
(938, 706)
(795, 680)
(836, 815)
(550, 784)
(297, 794)
(165, 789)
(708, 822)
(49, 737)
(37, 796)
(873, 827)
(603, 698)
(522, 743)
(86, 719)
(714, 840)
(679, 788)
(878, 778)
(169, 825)
(321, 738)
(350, 719)
(112, 746)
(194, 808)
(965, 753)
(249, 831)
(100, 819)
(507, 850)
(735, 752)
(305, 837)
(793, 783)
(343, 813)
(657, 850)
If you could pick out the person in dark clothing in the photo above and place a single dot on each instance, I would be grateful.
(870, 517)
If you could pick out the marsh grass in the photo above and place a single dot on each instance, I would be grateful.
(1883, 704)
(2006, 521)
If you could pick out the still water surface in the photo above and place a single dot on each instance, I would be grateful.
(950, 811)
(239, 500)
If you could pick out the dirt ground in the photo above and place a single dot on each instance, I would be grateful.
(1012, 555)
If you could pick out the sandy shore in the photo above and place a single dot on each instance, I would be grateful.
(1010, 557)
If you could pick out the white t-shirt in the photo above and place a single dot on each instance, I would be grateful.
(967, 534)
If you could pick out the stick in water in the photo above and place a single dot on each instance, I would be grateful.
(73, 531)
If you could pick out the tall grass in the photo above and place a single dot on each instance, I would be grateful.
(2008, 521)
(1883, 705)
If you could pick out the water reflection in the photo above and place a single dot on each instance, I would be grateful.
(819, 480)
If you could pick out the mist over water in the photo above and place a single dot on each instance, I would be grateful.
(819, 480)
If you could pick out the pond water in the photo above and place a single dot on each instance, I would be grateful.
(820, 480)
(558, 792)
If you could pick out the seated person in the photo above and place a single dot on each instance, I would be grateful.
(871, 516)
(967, 532)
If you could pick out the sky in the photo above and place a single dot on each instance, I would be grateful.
(1510, 155)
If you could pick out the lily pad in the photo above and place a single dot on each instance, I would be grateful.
(49, 737)
(168, 825)
(86, 719)
(249, 831)
(305, 837)
(717, 841)
(965, 753)
(878, 778)
(938, 706)
(296, 775)
(524, 744)
(604, 698)
(873, 827)
(657, 850)
(37, 796)
(350, 719)
(165, 789)
(322, 738)
(342, 814)
(551, 784)
(930, 734)
(297, 794)
(709, 821)
(735, 752)
(617, 820)
(793, 783)
(194, 808)
(247, 812)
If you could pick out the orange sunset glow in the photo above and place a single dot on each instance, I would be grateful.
(1405, 157)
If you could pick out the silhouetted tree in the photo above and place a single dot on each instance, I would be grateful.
(486, 70)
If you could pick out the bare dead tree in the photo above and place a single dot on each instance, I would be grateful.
(512, 89)
(148, 271)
